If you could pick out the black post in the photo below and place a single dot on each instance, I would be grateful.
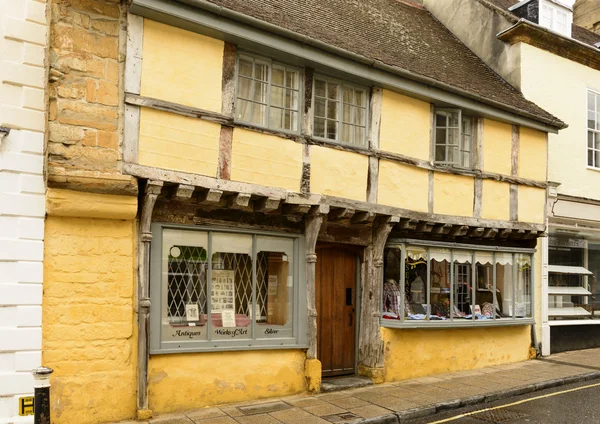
(41, 403)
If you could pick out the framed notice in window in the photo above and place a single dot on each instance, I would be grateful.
(223, 290)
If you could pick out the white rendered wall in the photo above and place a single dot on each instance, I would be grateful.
(22, 198)
(560, 86)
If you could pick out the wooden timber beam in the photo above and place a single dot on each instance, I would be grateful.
(239, 201)
(340, 214)
(362, 218)
(210, 196)
(184, 191)
(266, 204)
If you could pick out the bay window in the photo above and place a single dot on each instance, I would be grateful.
(450, 284)
(250, 283)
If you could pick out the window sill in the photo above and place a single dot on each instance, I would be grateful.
(591, 168)
(456, 324)
(222, 346)
(333, 143)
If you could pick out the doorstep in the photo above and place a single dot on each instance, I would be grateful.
(333, 384)
(400, 401)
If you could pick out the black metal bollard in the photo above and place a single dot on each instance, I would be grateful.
(41, 403)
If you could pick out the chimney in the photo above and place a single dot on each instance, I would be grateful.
(586, 14)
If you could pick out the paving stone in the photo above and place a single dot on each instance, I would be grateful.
(232, 411)
(395, 404)
(257, 419)
(301, 403)
(264, 408)
(322, 410)
(291, 415)
(216, 420)
(349, 402)
(171, 419)
(204, 413)
(370, 411)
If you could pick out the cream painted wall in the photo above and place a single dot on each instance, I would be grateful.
(405, 125)
(338, 173)
(532, 154)
(181, 66)
(532, 204)
(266, 160)
(497, 142)
(453, 194)
(403, 186)
(559, 86)
(495, 200)
(172, 141)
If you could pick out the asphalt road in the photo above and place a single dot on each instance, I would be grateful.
(576, 403)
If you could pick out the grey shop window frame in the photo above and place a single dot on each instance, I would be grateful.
(299, 339)
(407, 324)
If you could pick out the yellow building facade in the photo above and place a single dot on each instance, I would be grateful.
(192, 262)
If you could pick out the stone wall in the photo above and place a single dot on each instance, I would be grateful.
(85, 64)
(586, 13)
(23, 35)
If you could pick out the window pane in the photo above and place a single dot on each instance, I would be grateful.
(261, 71)
(332, 129)
(597, 158)
(231, 285)
(276, 118)
(360, 116)
(293, 121)
(590, 158)
(466, 126)
(332, 108)
(416, 278)
(591, 118)
(244, 88)
(320, 107)
(244, 110)
(462, 284)
(392, 293)
(260, 92)
(504, 289)
(440, 119)
(347, 132)
(291, 99)
(348, 95)
(440, 284)
(590, 139)
(440, 136)
(320, 87)
(591, 101)
(277, 76)
(292, 78)
(440, 153)
(277, 96)
(275, 287)
(347, 115)
(466, 159)
(319, 129)
(453, 121)
(184, 294)
(523, 286)
(361, 98)
(359, 135)
(245, 68)
(484, 272)
(259, 114)
(453, 154)
(332, 91)
(453, 136)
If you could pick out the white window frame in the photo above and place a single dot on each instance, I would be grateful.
(403, 244)
(270, 63)
(298, 312)
(339, 119)
(594, 131)
(459, 162)
(555, 10)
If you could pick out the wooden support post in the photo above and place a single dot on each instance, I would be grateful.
(370, 344)
(312, 227)
(153, 189)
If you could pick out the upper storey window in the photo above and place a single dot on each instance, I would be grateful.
(555, 18)
(593, 125)
(453, 138)
(268, 94)
(340, 111)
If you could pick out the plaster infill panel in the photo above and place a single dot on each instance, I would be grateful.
(453, 194)
(497, 142)
(181, 66)
(338, 173)
(403, 186)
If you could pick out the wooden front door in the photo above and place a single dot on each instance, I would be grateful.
(335, 281)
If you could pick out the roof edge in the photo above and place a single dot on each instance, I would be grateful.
(553, 42)
(555, 124)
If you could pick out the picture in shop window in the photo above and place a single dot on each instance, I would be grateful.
(241, 291)
(453, 284)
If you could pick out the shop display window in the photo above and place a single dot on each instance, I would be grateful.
(248, 282)
(439, 285)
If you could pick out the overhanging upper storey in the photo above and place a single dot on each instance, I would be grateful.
(397, 46)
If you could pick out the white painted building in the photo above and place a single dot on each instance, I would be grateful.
(534, 45)
(23, 41)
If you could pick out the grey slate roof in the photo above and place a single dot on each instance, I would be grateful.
(401, 35)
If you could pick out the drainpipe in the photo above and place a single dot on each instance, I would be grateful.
(152, 191)
(41, 402)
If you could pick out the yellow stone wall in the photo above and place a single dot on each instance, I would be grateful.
(181, 66)
(338, 173)
(532, 154)
(495, 200)
(266, 160)
(405, 125)
(403, 186)
(194, 380)
(453, 194)
(89, 321)
(497, 145)
(532, 204)
(421, 352)
(172, 141)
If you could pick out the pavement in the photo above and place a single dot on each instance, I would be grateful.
(399, 402)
